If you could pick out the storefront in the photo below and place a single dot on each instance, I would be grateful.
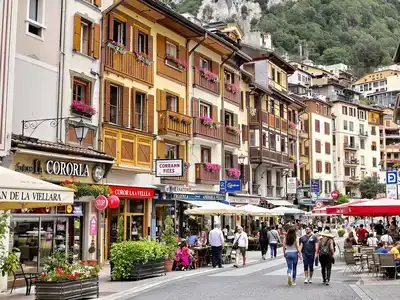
(250, 224)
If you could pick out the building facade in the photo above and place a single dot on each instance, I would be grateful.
(390, 141)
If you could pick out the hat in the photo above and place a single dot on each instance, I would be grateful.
(326, 233)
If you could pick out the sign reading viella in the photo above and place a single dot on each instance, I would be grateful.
(132, 192)
(55, 167)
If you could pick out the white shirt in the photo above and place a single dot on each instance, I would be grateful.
(386, 239)
(372, 242)
(243, 240)
(319, 224)
(216, 237)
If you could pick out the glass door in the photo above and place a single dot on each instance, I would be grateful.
(134, 228)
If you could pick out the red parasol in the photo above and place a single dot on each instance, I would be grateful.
(373, 208)
(342, 209)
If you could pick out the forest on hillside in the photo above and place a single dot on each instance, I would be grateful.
(361, 33)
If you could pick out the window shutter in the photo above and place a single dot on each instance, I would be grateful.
(106, 25)
(77, 33)
(128, 37)
(241, 100)
(327, 129)
(182, 53)
(125, 107)
(181, 105)
(247, 99)
(215, 68)
(246, 175)
(96, 41)
(327, 148)
(181, 152)
(161, 41)
(107, 102)
(160, 149)
(245, 133)
(196, 62)
(150, 113)
(235, 161)
(133, 108)
(150, 45)
(161, 100)
(97, 3)
(135, 45)
(316, 125)
(306, 126)
(214, 113)
(195, 107)
(111, 28)
(318, 146)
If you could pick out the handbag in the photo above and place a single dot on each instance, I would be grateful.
(316, 261)
(236, 244)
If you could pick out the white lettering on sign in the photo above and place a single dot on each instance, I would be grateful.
(169, 168)
(55, 167)
(30, 196)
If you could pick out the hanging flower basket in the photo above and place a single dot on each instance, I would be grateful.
(233, 129)
(117, 47)
(209, 123)
(212, 168)
(292, 158)
(80, 108)
(180, 64)
(233, 173)
(143, 57)
(210, 76)
(233, 88)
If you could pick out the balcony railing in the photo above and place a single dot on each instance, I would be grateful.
(205, 177)
(258, 155)
(199, 129)
(127, 65)
(350, 146)
(173, 123)
(353, 161)
(231, 137)
(230, 95)
(363, 133)
(202, 82)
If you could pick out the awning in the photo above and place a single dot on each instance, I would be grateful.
(244, 199)
(279, 202)
(287, 211)
(202, 203)
(213, 208)
(18, 190)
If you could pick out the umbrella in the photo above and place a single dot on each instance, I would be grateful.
(279, 211)
(254, 210)
(342, 209)
(215, 208)
(380, 207)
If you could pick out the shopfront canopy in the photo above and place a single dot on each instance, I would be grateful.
(214, 208)
(254, 210)
(342, 209)
(18, 190)
(375, 208)
(280, 211)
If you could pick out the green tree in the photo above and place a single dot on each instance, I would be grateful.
(370, 187)
(342, 199)
(120, 229)
(169, 237)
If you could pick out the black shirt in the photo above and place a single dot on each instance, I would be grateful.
(308, 243)
(379, 229)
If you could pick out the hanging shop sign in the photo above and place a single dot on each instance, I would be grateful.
(169, 167)
(214, 197)
(176, 188)
(93, 225)
(132, 192)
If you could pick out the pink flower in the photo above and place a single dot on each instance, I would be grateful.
(213, 168)
(209, 75)
(83, 108)
(233, 172)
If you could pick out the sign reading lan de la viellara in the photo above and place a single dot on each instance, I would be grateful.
(169, 168)
(26, 195)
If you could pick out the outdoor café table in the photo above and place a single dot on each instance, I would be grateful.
(201, 253)
(363, 258)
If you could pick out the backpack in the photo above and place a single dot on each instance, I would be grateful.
(324, 249)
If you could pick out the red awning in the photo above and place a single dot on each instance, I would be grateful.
(374, 208)
(342, 209)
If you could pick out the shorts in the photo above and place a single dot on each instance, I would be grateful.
(308, 262)
(242, 250)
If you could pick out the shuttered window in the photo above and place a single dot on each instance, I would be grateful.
(328, 168)
(327, 148)
(319, 166)
(327, 128)
(86, 39)
(317, 126)
(318, 146)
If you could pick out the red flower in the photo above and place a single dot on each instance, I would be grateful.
(70, 276)
(83, 262)
(59, 271)
(44, 274)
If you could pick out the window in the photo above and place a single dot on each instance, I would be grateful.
(229, 119)
(283, 145)
(373, 146)
(362, 144)
(228, 160)
(281, 110)
(325, 110)
(81, 91)
(317, 126)
(319, 166)
(318, 146)
(171, 151)
(119, 32)
(328, 186)
(299, 77)
(86, 37)
(328, 168)
(345, 124)
(172, 50)
(327, 148)
(172, 103)
(374, 162)
(351, 126)
(35, 17)
(264, 139)
(346, 171)
(278, 179)
(373, 130)
(143, 42)
(205, 64)
(205, 110)
(139, 111)
(362, 160)
(272, 141)
(362, 128)
(205, 155)
(334, 140)
(344, 110)
(115, 103)
(317, 108)
(387, 123)
(228, 77)
(361, 115)
(252, 138)
(327, 129)
(279, 78)
(272, 106)
(273, 74)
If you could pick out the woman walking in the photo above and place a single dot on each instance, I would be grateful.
(292, 253)
(325, 255)
(273, 239)
(242, 243)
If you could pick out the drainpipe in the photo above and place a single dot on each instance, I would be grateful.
(60, 85)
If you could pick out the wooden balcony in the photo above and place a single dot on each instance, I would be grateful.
(262, 155)
(230, 96)
(258, 117)
(201, 82)
(205, 177)
(175, 125)
(126, 65)
(284, 125)
(200, 130)
(167, 69)
(176, 180)
(351, 162)
(231, 137)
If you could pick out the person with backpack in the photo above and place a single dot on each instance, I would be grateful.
(263, 240)
(309, 250)
(325, 255)
(273, 240)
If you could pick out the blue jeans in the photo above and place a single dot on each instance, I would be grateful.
(291, 260)
(273, 247)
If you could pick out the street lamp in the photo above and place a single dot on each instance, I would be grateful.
(81, 131)
(242, 158)
(286, 173)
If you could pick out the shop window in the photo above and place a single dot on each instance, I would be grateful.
(205, 155)
(142, 42)
(139, 111)
(115, 103)
(135, 206)
(81, 91)
(119, 32)
(134, 228)
(172, 102)
(205, 110)
(228, 160)
(229, 119)
(171, 151)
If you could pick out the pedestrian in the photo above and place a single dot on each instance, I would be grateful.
(216, 240)
(325, 255)
(263, 239)
(243, 243)
(309, 250)
(273, 239)
(362, 235)
(319, 225)
(292, 253)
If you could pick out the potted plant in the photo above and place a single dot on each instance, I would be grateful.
(233, 173)
(212, 168)
(83, 109)
(92, 250)
(169, 238)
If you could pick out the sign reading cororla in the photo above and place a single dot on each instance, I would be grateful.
(169, 168)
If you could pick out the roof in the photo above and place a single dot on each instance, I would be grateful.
(19, 141)
(304, 99)
(366, 107)
(314, 67)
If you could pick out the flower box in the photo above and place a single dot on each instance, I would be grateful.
(142, 57)
(233, 173)
(210, 76)
(67, 289)
(213, 168)
(209, 123)
(233, 88)
(232, 129)
(117, 47)
(83, 109)
(177, 63)
(140, 271)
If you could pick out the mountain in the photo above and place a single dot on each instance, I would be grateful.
(361, 33)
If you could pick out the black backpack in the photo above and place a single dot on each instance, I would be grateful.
(324, 249)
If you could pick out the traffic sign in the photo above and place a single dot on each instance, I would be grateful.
(318, 204)
(230, 186)
(314, 186)
(391, 177)
(222, 186)
(334, 195)
(101, 202)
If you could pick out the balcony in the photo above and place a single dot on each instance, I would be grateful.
(350, 146)
(205, 177)
(169, 70)
(257, 116)
(363, 133)
(200, 82)
(352, 162)
(261, 155)
(175, 125)
(230, 94)
(351, 180)
(127, 65)
(231, 137)
(176, 180)
(202, 131)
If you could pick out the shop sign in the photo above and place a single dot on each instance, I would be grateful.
(32, 196)
(214, 197)
(35, 168)
(291, 185)
(176, 188)
(245, 200)
(230, 186)
(55, 167)
(93, 225)
(169, 167)
(132, 192)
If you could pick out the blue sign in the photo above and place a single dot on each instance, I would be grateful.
(222, 186)
(230, 186)
(391, 177)
(314, 186)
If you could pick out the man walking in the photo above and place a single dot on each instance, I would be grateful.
(309, 249)
(216, 239)
(263, 240)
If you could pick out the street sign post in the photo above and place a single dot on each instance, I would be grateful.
(334, 195)
(392, 178)
(314, 186)
(230, 186)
